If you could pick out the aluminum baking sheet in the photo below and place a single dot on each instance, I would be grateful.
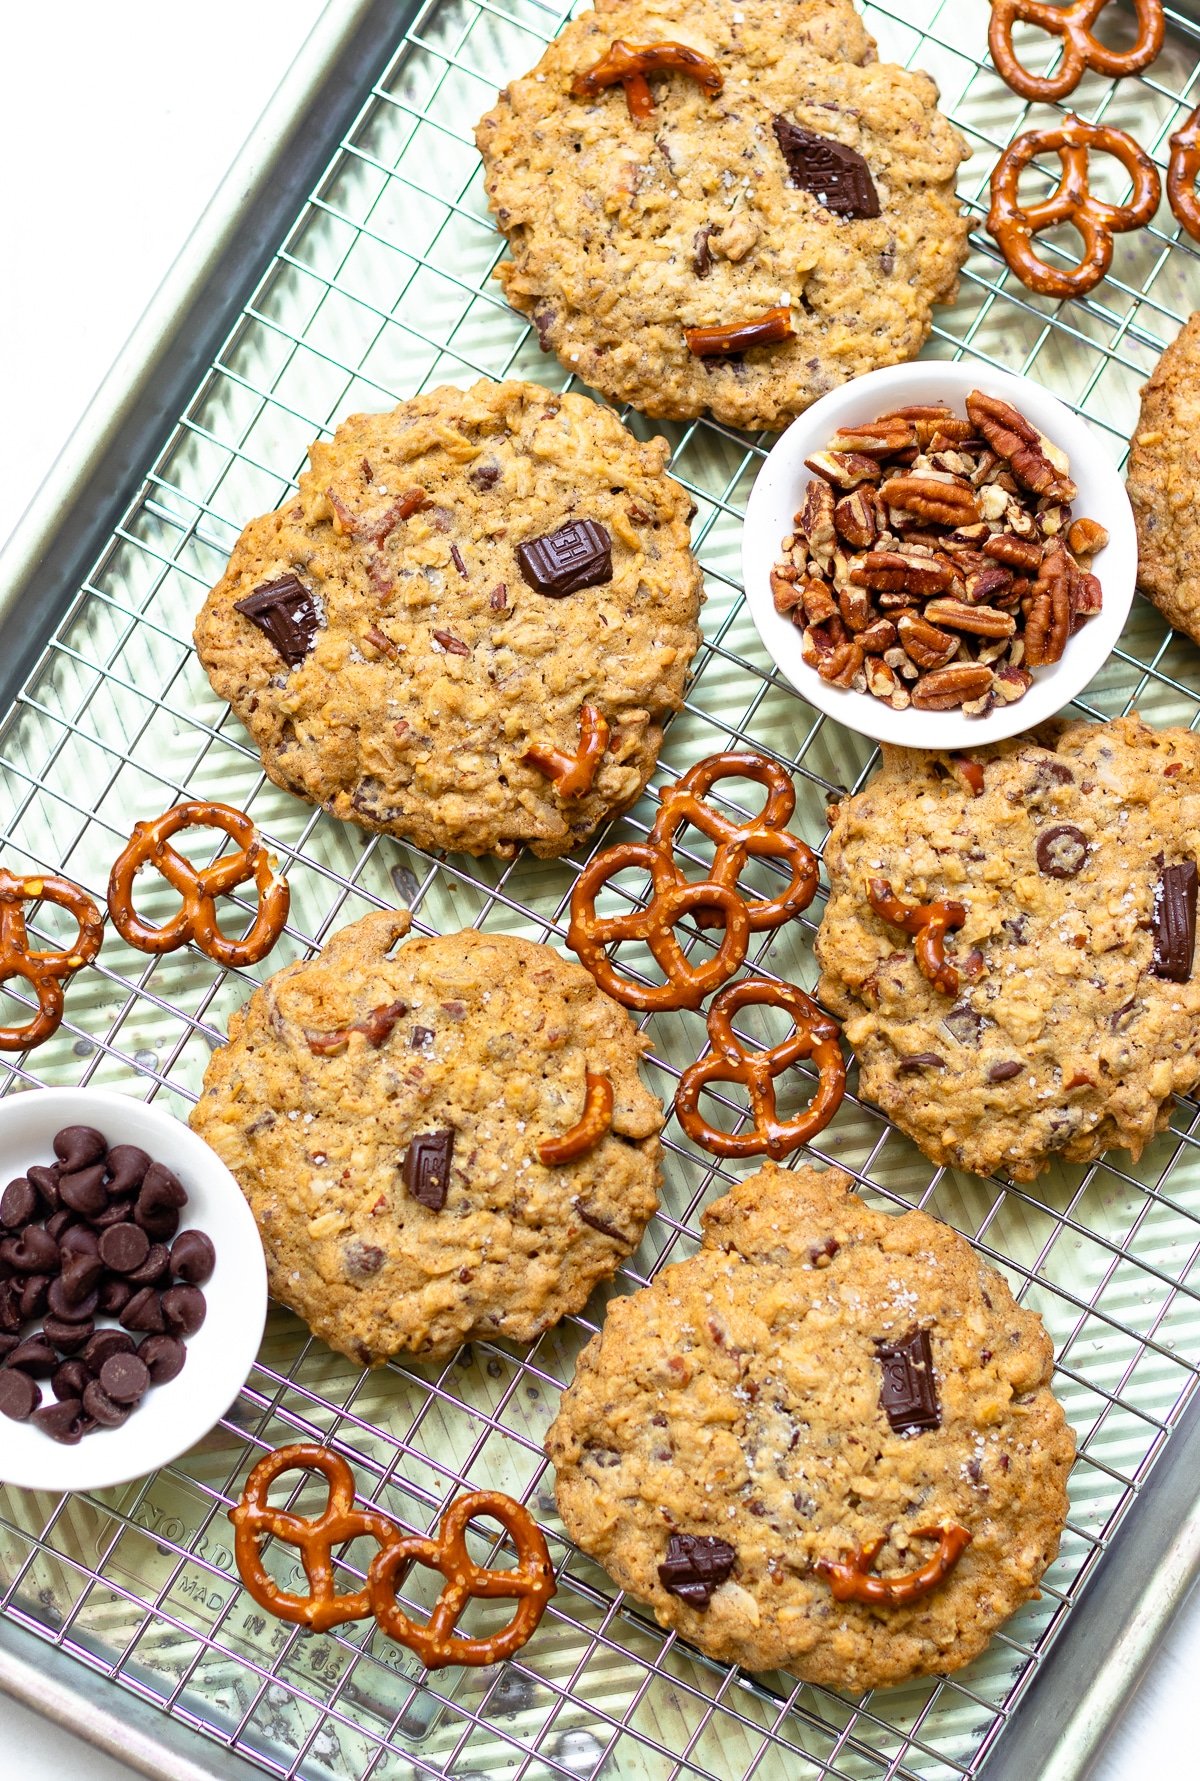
(380, 289)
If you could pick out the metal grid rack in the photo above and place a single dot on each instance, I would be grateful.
(382, 288)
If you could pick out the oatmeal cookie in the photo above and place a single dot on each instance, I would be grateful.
(818, 1378)
(1071, 1014)
(382, 1107)
(453, 584)
(817, 180)
(1164, 472)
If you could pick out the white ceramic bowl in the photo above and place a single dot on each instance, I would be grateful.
(170, 1418)
(777, 494)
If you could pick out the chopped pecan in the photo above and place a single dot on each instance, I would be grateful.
(1086, 595)
(854, 604)
(882, 681)
(856, 517)
(924, 643)
(815, 520)
(878, 636)
(843, 665)
(901, 663)
(787, 589)
(944, 688)
(980, 621)
(1048, 624)
(818, 642)
(1012, 683)
(845, 469)
(946, 500)
(819, 603)
(983, 586)
(877, 439)
(1020, 444)
(888, 572)
(1086, 537)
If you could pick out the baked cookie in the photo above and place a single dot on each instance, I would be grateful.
(455, 585)
(1163, 473)
(818, 1378)
(817, 181)
(1069, 1017)
(383, 1108)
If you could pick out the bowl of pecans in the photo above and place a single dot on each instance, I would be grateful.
(939, 555)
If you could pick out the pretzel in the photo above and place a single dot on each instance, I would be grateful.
(630, 63)
(573, 774)
(1081, 50)
(765, 836)
(815, 1036)
(531, 1583)
(44, 970)
(199, 888)
(1181, 175)
(849, 1580)
(591, 1127)
(930, 922)
(768, 329)
(673, 897)
(1014, 225)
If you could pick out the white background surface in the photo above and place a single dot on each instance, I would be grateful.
(117, 122)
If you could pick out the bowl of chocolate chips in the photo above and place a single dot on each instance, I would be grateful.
(133, 1289)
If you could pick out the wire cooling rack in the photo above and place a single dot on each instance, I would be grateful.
(381, 289)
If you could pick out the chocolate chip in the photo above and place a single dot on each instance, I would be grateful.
(62, 1221)
(19, 1396)
(164, 1357)
(599, 1224)
(103, 1345)
(33, 1252)
(83, 1190)
(838, 177)
(80, 1277)
(578, 555)
(78, 1240)
(1175, 922)
(1061, 851)
(116, 1212)
(485, 476)
(125, 1378)
(908, 1394)
(153, 1270)
(19, 1203)
(78, 1147)
(63, 1422)
(963, 1024)
(10, 1306)
(127, 1166)
(362, 1259)
(184, 1309)
(114, 1296)
(193, 1258)
(1017, 929)
(46, 1180)
(71, 1310)
(420, 1036)
(100, 1407)
(158, 1203)
(286, 614)
(70, 1380)
(425, 1169)
(695, 1566)
(702, 260)
(1006, 1071)
(68, 1338)
(35, 1357)
(144, 1312)
(35, 1295)
(7, 1344)
(124, 1247)
(921, 1060)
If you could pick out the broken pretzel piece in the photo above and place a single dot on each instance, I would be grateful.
(850, 1580)
(930, 923)
(573, 774)
(732, 337)
(628, 64)
(591, 1126)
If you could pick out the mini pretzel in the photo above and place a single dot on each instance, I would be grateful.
(44, 970)
(849, 1579)
(1015, 225)
(591, 1127)
(199, 888)
(815, 1036)
(687, 984)
(531, 1582)
(573, 774)
(765, 836)
(930, 922)
(1081, 49)
(630, 63)
(768, 329)
(1181, 174)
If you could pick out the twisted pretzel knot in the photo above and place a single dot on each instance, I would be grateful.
(1181, 174)
(764, 836)
(1081, 49)
(930, 922)
(815, 1036)
(200, 887)
(849, 1579)
(45, 970)
(1014, 225)
(673, 897)
(531, 1583)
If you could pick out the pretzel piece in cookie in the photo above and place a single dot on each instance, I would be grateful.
(769, 329)
(815, 1035)
(1081, 48)
(1014, 225)
(588, 1130)
(850, 1578)
(45, 970)
(573, 774)
(1181, 175)
(930, 923)
(199, 887)
(628, 64)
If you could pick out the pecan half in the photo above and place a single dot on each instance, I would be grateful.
(1021, 446)
(1048, 624)
(854, 604)
(889, 572)
(856, 517)
(878, 439)
(980, 621)
(924, 643)
(845, 469)
(814, 520)
(951, 503)
(1086, 537)
(944, 688)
